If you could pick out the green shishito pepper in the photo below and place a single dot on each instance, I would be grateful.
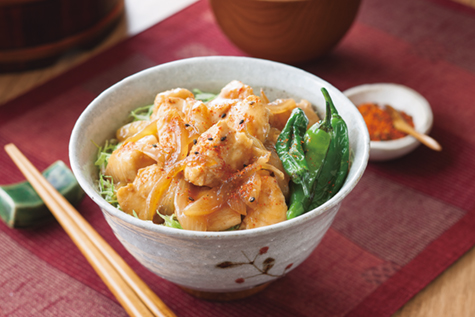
(336, 165)
(289, 147)
(316, 144)
(318, 164)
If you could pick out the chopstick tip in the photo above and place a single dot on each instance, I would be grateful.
(9, 147)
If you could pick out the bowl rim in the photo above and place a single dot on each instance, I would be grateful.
(422, 103)
(190, 234)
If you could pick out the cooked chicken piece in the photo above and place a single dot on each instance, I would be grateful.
(269, 209)
(167, 103)
(218, 153)
(219, 107)
(236, 90)
(227, 98)
(250, 115)
(180, 93)
(133, 197)
(186, 190)
(197, 116)
(175, 97)
(223, 219)
(195, 223)
(125, 162)
(177, 92)
(248, 192)
(219, 220)
(130, 129)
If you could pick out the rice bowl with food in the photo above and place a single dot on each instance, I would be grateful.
(196, 259)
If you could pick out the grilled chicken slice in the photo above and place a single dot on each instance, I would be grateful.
(197, 116)
(175, 97)
(250, 115)
(218, 153)
(270, 207)
(133, 197)
(218, 108)
(125, 162)
(236, 90)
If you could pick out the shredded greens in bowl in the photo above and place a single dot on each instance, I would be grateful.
(105, 183)
(203, 96)
(142, 113)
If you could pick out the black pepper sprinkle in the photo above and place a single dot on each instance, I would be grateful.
(154, 145)
(210, 139)
(252, 199)
(223, 115)
(197, 152)
(245, 165)
(241, 122)
(194, 141)
(191, 198)
(252, 102)
(187, 125)
(223, 138)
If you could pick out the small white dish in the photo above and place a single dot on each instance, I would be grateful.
(401, 98)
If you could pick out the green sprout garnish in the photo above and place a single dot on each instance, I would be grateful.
(203, 96)
(105, 183)
(104, 153)
(170, 221)
(107, 190)
(236, 227)
(142, 113)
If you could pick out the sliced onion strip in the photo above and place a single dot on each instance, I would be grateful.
(197, 223)
(150, 129)
(281, 106)
(162, 185)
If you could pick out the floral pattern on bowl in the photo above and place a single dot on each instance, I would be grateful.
(267, 265)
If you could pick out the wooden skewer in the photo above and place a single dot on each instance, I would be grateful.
(132, 293)
(401, 124)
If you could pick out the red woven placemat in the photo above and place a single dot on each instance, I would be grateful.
(405, 222)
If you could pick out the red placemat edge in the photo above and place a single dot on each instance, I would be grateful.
(393, 294)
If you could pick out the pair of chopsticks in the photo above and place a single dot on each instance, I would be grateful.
(132, 293)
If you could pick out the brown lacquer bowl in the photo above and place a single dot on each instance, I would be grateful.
(34, 33)
(288, 31)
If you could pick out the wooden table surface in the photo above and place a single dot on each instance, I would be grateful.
(450, 294)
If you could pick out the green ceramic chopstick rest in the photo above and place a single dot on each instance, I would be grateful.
(20, 205)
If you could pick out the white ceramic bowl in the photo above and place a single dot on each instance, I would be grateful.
(203, 261)
(401, 98)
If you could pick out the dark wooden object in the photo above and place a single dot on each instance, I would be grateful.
(288, 31)
(34, 33)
